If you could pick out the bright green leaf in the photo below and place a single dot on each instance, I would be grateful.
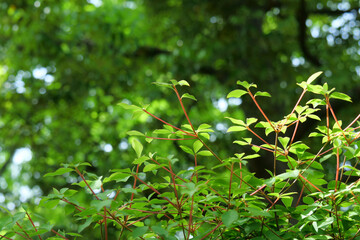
(236, 93)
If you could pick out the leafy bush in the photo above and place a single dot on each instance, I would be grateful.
(218, 198)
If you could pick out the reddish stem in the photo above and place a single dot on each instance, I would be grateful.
(258, 106)
(6, 237)
(337, 168)
(154, 190)
(171, 139)
(59, 234)
(105, 224)
(82, 177)
(187, 133)
(183, 108)
(212, 231)
(310, 183)
(28, 237)
(32, 223)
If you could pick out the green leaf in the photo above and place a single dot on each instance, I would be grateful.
(190, 189)
(245, 84)
(183, 83)
(229, 217)
(287, 201)
(204, 126)
(257, 212)
(100, 204)
(251, 156)
(162, 84)
(236, 129)
(288, 174)
(197, 146)
(139, 231)
(134, 133)
(250, 121)
(241, 143)
(262, 94)
(313, 77)
(129, 106)
(316, 102)
(318, 89)
(186, 95)
(236, 93)
(237, 121)
(151, 167)
(60, 171)
(140, 160)
(341, 96)
(137, 146)
(313, 116)
(205, 153)
(118, 177)
(187, 149)
(284, 141)
(85, 224)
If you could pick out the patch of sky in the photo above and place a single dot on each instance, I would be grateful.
(297, 61)
(41, 73)
(221, 127)
(315, 31)
(96, 3)
(106, 147)
(221, 104)
(130, 4)
(123, 145)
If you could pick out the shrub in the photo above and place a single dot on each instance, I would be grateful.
(222, 200)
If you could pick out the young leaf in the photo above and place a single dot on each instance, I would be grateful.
(340, 96)
(245, 84)
(60, 171)
(318, 89)
(237, 121)
(186, 95)
(137, 146)
(236, 93)
(250, 121)
(284, 141)
(262, 94)
(134, 133)
(151, 167)
(187, 149)
(118, 177)
(129, 106)
(205, 153)
(140, 160)
(313, 77)
(167, 85)
(197, 146)
(236, 129)
(183, 83)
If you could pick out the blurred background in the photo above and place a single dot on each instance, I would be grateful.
(64, 66)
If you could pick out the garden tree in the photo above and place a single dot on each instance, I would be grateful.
(64, 65)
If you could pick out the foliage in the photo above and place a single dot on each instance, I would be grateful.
(64, 65)
(218, 197)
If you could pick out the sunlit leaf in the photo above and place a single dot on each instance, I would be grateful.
(236, 93)
(340, 96)
(137, 146)
(186, 95)
(313, 77)
(262, 94)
